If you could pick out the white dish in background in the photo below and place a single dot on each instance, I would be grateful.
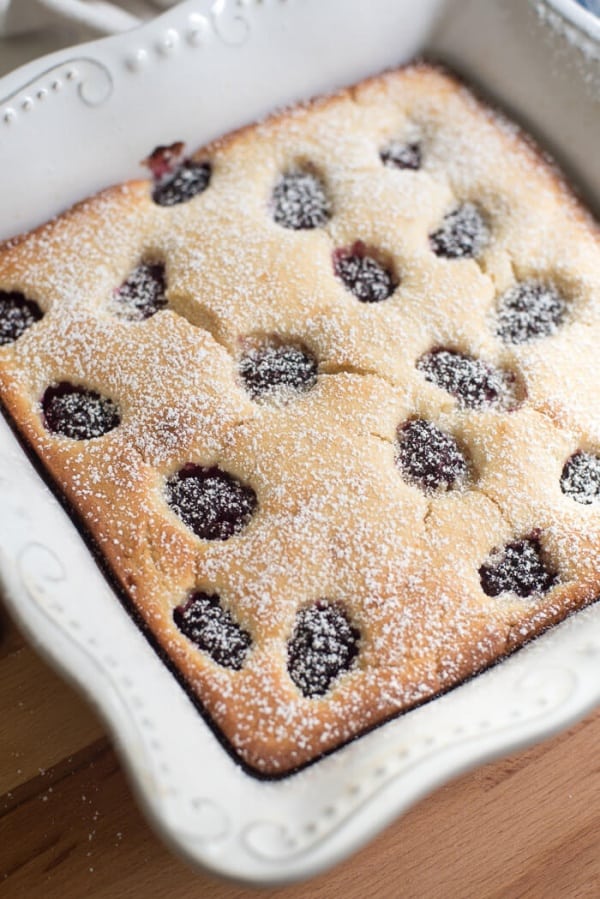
(94, 18)
(576, 14)
(81, 119)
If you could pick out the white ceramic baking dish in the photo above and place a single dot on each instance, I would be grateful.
(81, 119)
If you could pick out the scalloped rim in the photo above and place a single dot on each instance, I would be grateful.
(208, 811)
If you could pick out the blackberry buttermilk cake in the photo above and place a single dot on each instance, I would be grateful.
(325, 396)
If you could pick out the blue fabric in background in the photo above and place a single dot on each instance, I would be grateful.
(591, 5)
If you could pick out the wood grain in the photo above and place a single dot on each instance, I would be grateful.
(528, 826)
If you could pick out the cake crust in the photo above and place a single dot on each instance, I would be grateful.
(344, 514)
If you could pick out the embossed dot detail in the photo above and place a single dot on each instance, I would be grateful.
(199, 30)
(137, 60)
(168, 42)
(210, 501)
(210, 627)
(323, 645)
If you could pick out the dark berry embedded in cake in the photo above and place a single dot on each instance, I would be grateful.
(185, 182)
(323, 645)
(528, 311)
(462, 234)
(143, 293)
(430, 458)
(17, 314)
(473, 382)
(580, 478)
(363, 275)
(300, 202)
(517, 568)
(277, 370)
(164, 159)
(397, 155)
(78, 413)
(211, 502)
(204, 621)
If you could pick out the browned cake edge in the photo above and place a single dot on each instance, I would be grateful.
(260, 758)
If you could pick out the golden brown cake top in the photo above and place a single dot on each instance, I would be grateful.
(332, 419)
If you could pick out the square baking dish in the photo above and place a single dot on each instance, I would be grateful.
(193, 74)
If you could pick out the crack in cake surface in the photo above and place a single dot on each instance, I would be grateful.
(347, 451)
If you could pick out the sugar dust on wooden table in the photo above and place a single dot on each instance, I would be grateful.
(528, 826)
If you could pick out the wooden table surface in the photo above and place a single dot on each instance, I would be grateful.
(69, 827)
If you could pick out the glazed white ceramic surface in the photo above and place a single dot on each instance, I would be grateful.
(92, 18)
(572, 13)
(78, 120)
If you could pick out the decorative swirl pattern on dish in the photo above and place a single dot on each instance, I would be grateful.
(93, 78)
(40, 569)
(95, 82)
(540, 693)
(45, 578)
(43, 573)
(230, 26)
(211, 822)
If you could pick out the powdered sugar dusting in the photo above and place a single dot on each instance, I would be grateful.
(143, 294)
(300, 202)
(322, 646)
(580, 478)
(277, 372)
(378, 570)
(209, 626)
(473, 382)
(17, 314)
(462, 233)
